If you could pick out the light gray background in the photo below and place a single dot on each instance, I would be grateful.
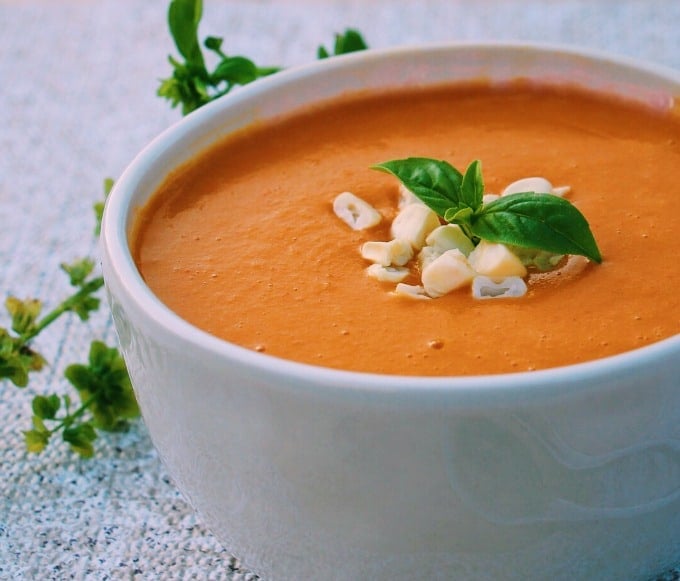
(77, 102)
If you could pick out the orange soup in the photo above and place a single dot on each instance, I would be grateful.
(243, 242)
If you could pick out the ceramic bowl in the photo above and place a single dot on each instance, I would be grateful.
(308, 473)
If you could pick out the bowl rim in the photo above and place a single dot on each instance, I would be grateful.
(120, 270)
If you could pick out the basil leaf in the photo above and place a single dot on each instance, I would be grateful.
(213, 43)
(80, 439)
(436, 183)
(36, 441)
(183, 19)
(46, 407)
(455, 216)
(472, 188)
(236, 70)
(536, 221)
(350, 41)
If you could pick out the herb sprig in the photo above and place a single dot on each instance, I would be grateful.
(17, 356)
(107, 401)
(192, 84)
(526, 219)
(349, 41)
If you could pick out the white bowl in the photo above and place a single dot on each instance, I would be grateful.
(309, 473)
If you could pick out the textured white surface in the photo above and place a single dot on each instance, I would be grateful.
(77, 101)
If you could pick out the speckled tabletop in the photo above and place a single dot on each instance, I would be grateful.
(77, 101)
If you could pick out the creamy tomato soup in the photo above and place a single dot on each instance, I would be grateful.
(243, 241)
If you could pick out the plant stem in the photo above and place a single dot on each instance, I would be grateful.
(70, 417)
(65, 306)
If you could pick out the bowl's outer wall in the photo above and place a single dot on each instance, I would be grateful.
(302, 481)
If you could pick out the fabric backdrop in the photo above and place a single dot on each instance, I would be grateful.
(77, 102)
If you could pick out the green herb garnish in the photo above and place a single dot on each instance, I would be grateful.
(527, 219)
(193, 85)
(350, 41)
(98, 207)
(107, 401)
(15, 348)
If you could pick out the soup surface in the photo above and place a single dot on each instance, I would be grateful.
(243, 241)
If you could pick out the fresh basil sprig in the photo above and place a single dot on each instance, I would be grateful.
(349, 41)
(192, 84)
(527, 219)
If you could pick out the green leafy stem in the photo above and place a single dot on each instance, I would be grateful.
(528, 219)
(107, 400)
(107, 403)
(192, 84)
(103, 385)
